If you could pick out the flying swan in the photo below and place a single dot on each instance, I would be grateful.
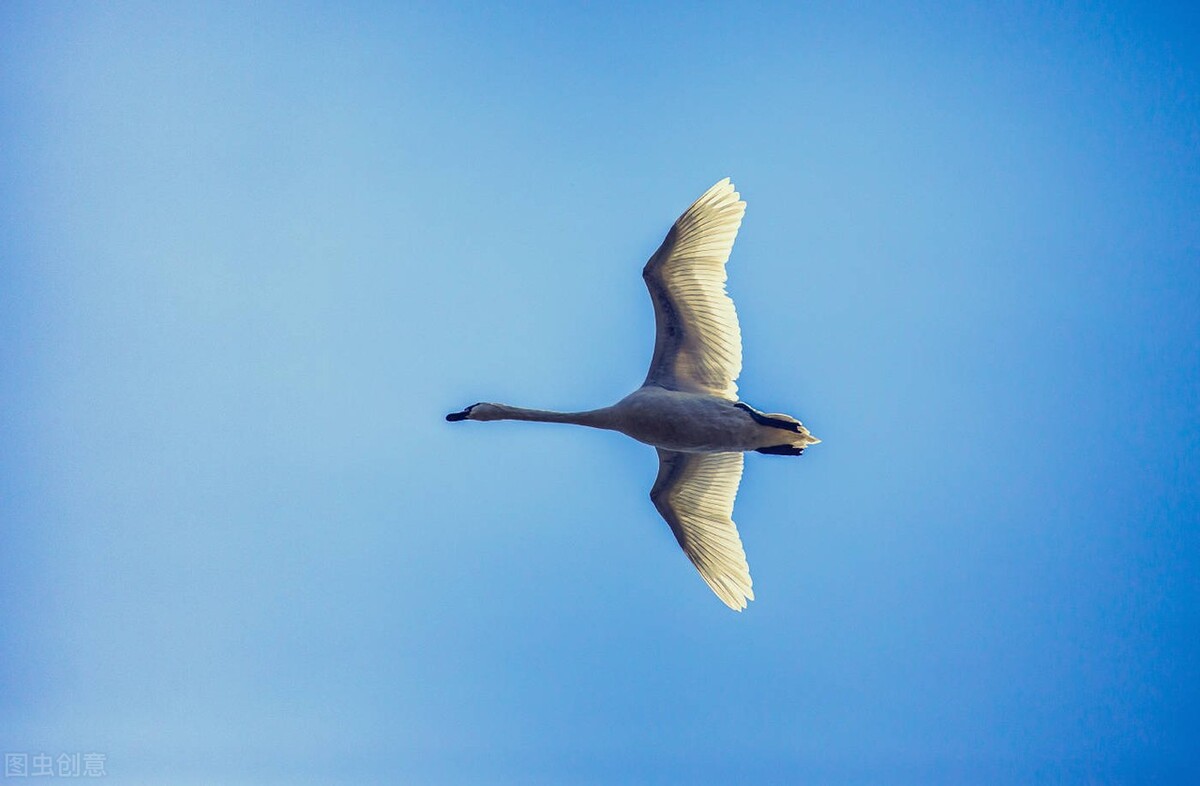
(688, 406)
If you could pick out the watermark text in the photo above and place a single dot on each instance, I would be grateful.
(45, 765)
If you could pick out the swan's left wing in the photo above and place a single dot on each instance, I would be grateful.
(698, 344)
(694, 492)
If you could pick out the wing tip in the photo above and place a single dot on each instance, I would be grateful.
(731, 590)
(720, 209)
(725, 186)
(737, 602)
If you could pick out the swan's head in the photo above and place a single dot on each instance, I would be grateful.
(480, 411)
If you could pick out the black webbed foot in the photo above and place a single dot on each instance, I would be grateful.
(767, 420)
(781, 450)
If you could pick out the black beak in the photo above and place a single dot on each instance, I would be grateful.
(454, 417)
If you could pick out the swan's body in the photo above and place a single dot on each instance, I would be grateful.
(668, 419)
(688, 407)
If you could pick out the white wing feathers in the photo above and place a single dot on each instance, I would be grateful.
(698, 346)
(694, 492)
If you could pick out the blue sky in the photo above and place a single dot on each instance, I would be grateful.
(251, 256)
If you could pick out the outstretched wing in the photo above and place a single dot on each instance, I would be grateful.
(694, 492)
(698, 344)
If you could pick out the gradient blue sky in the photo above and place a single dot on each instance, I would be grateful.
(252, 253)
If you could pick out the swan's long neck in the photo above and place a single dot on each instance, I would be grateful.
(595, 418)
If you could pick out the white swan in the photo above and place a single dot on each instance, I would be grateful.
(688, 407)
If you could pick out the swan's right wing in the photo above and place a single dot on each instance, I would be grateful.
(694, 492)
(698, 344)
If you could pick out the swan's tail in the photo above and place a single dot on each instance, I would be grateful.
(795, 436)
(805, 435)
